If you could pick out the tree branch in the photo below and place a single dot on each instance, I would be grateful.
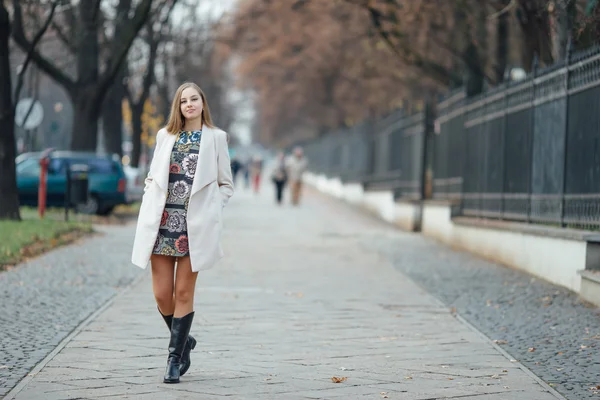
(64, 38)
(153, 40)
(403, 51)
(29, 55)
(508, 8)
(121, 46)
(29, 47)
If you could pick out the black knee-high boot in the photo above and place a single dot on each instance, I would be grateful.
(180, 329)
(189, 345)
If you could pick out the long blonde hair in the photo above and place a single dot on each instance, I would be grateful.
(176, 118)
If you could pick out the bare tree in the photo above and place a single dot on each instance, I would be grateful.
(9, 200)
(157, 28)
(88, 89)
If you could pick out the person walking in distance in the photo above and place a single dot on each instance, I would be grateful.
(256, 171)
(279, 176)
(179, 224)
(296, 167)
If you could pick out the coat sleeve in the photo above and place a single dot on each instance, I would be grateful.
(224, 178)
(149, 178)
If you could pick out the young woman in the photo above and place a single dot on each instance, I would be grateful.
(188, 184)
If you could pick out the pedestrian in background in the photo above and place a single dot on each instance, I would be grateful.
(296, 166)
(188, 185)
(256, 172)
(279, 176)
(236, 166)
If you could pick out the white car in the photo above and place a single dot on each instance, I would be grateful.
(135, 184)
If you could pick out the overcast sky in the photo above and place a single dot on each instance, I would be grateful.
(214, 9)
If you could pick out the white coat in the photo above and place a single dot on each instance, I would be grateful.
(211, 189)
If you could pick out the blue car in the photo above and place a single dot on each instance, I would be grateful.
(106, 180)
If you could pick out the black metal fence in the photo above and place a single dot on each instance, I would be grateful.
(525, 151)
(384, 154)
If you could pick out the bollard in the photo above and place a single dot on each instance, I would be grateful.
(44, 162)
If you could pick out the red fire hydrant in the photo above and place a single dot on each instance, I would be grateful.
(44, 162)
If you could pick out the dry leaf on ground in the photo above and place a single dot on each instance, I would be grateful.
(335, 379)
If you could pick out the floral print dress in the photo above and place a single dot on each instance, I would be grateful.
(172, 239)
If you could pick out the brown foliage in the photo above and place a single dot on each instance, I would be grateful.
(315, 65)
(321, 64)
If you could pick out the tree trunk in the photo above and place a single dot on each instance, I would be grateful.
(85, 104)
(85, 121)
(475, 67)
(136, 121)
(565, 21)
(9, 200)
(112, 117)
(112, 109)
(502, 45)
(535, 26)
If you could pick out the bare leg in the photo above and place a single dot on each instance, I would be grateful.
(163, 268)
(185, 285)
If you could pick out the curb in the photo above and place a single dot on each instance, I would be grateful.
(482, 335)
(527, 371)
(485, 338)
(29, 377)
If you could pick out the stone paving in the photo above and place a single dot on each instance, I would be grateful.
(297, 301)
(46, 298)
(547, 328)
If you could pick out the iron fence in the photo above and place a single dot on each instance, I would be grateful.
(525, 151)
(382, 155)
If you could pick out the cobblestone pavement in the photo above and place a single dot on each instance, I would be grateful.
(296, 302)
(44, 299)
(545, 327)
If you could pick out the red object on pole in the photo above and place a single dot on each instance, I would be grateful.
(44, 162)
(42, 188)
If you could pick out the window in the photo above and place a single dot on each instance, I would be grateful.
(29, 167)
(101, 166)
(56, 166)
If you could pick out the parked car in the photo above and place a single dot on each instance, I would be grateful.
(135, 184)
(107, 183)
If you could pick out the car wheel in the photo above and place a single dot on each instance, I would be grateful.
(92, 206)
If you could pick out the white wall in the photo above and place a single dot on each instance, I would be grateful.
(407, 215)
(354, 193)
(554, 259)
(380, 203)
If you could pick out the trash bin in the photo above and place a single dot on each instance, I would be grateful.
(79, 184)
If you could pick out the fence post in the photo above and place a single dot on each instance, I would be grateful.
(505, 152)
(534, 72)
(428, 118)
(563, 202)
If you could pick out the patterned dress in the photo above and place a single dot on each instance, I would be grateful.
(172, 239)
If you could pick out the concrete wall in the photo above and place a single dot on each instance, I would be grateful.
(555, 259)
(381, 203)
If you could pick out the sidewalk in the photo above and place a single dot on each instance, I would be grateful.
(298, 300)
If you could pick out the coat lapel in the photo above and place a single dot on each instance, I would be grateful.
(162, 162)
